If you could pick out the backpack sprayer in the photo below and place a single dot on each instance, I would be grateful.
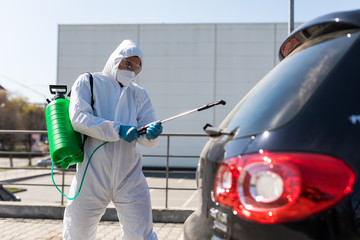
(66, 145)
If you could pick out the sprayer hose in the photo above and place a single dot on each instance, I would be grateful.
(83, 177)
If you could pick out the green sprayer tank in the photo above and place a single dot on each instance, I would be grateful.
(64, 142)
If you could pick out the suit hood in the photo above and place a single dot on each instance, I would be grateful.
(127, 48)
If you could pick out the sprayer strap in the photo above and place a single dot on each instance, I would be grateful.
(92, 90)
(92, 105)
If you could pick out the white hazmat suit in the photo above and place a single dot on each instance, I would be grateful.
(115, 170)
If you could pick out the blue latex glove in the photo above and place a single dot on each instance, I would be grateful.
(154, 130)
(128, 133)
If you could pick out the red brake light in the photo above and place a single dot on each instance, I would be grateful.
(282, 187)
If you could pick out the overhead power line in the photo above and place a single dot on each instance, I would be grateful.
(22, 85)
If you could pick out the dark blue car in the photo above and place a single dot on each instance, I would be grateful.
(285, 163)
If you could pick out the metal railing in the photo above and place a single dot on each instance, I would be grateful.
(63, 172)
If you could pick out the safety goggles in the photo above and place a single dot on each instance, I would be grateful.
(131, 66)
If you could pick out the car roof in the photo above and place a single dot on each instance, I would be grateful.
(332, 22)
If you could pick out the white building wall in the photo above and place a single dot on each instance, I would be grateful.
(185, 66)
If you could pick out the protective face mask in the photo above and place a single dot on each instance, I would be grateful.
(125, 77)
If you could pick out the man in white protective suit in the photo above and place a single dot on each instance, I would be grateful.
(115, 170)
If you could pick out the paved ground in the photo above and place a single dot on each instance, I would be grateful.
(45, 229)
(41, 229)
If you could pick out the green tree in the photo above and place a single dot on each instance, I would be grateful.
(33, 118)
(18, 114)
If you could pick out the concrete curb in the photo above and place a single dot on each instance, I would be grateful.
(22, 210)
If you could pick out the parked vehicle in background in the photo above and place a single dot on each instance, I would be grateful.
(46, 162)
(284, 164)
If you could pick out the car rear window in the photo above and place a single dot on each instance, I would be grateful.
(284, 90)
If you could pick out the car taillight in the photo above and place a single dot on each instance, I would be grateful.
(290, 46)
(281, 187)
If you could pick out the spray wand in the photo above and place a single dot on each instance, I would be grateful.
(142, 130)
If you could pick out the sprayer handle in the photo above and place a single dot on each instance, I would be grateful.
(58, 89)
(142, 130)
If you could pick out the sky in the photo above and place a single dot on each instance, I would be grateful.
(29, 28)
